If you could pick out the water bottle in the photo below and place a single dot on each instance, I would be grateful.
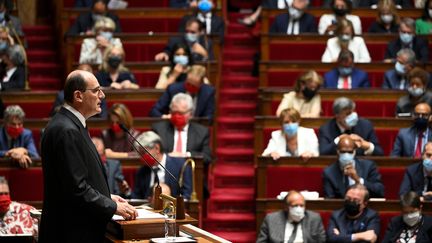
(170, 224)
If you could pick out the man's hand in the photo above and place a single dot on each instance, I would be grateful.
(275, 155)
(306, 156)
(336, 231)
(161, 57)
(198, 48)
(115, 85)
(102, 42)
(365, 236)
(166, 116)
(178, 154)
(124, 187)
(360, 142)
(350, 171)
(124, 209)
(20, 155)
(178, 69)
(25, 161)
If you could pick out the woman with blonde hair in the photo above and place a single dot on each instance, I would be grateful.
(387, 20)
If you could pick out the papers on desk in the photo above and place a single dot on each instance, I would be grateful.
(308, 195)
(176, 239)
(142, 214)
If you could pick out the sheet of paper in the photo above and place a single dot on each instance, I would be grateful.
(142, 214)
(177, 239)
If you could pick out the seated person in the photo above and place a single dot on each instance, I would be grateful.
(371, 3)
(341, 11)
(345, 40)
(296, 21)
(387, 20)
(355, 222)
(203, 95)
(304, 98)
(201, 47)
(423, 25)
(84, 23)
(396, 78)
(417, 92)
(12, 69)
(408, 39)
(113, 73)
(196, 135)
(292, 139)
(8, 20)
(146, 180)
(409, 141)
(6, 39)
(16, 142)
(15, 217)
(349, 170)
(117, 142)
(412, 224)
(183, 3)
(346, 121)
(282, 225)
(346, 76)
(92, 49)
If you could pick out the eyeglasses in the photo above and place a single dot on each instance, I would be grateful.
(422, 115)
(96, 90)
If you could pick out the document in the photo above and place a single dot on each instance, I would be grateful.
(143, 214)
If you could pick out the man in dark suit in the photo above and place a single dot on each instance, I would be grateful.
(346, 121)
(355, 222)
(292, 220)
(396, 78)
(296, 21)
(408, 39)
(182, 3)
(409, 141)
(77, 202)
(346, 76)
(348, 170)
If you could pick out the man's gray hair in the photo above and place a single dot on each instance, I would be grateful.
(15, 54)
(182, 97)
(13, 111)
(149, 139)
(341, 104)
(408, 22)
(410, 54)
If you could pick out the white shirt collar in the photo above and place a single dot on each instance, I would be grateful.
(76, 113)
(9, 74)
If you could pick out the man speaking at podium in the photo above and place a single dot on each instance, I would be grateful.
(77, 203)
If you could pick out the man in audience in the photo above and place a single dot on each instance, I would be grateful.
(193, 139)
(203, 95)
(16, 142)
(296, 21)
(293, 224)
(408, 39)
(8, 20)
(346, 76)
(146, 180)
(183, 3)
(396, 78)
(349, 170)
(410, 141)
(346, 121)
(355, 222)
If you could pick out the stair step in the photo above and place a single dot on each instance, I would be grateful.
(237, 109)
(52, 70)
(231, 206)
(236, 124)
(38, 30)
(237, 66)
(40, 42)
(237, 237)
(41, 56)
(230, 221)
(238, 94)
(234, 170)
(44, 83)
(235, 139)
(238, 54)
(235, 27)
(239, 81)
(230, 176)
(244, 155)
(241, 39)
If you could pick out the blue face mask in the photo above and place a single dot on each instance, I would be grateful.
(205, 6)
(406, 38)
(352, 119)
(106, 34)
(345, 71)
(346, 159)
(416, 92)
(181, 59)
(2, 16)
(191, 37)
(3, 45)
(290, 129)
(400, 68)
(427, 164)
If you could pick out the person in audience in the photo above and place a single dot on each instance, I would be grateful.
(203, 95)
(371, 3)
(7, 19)
(16, 142)
(408, 39)
(412, 225)
(282, 225)
(349, 170)
(387, 20)
(423, 25)
(12, 69)
(15, 217)
(295, 21)
(355, 222)
(341, 11)
(345, 40)
(92, 49)
(305, 97)
(83, 3)
(346, 76)
(250, 20)
(113, 73)
(409, 141)
(84, 23)
(194, 137)
(183, 3)
(396, 78)
(201, 47)
(117, 142)
(346, 121)
(292, 139)
(417, 92)
(146, 180)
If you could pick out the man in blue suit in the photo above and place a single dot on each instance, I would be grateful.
(296, 21)
(346, 76)
(396, 78)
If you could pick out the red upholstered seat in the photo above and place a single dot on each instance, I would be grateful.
(30, 189)
(295, 51)
(391, 178)
(156, 25)
(386, 138)
(131, 3)
(138, 108)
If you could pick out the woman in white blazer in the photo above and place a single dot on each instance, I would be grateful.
(341, 10)
(292, 139)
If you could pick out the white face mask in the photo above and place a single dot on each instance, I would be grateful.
(296, 213)
(412, 219)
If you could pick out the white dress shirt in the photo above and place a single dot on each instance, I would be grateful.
(160, 172)
(356, 45)
(206, 18)
(289, 229)
(76, 113)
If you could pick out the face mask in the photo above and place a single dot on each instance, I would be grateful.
(421, 123)
(416, 92)
(205, 6)
(340, 11)
(181, 59)
(192, 38)
(352, 119)
(3, 45)
(295, 13)
(345, 38)
(14, 132)
(147, 158)
(427, 164)
(114, 61)
(308, 93)
(387, 18)
(178, 120)
(411, 219)
(290, 129)
(406, 38)
(106, 34)
(2, 16)
(345, 159)
(5, 201)
(352, 208)
(345, 71)
(430, 12)
(191, 89)
(115, 127)
(296, 213)
(400, 68)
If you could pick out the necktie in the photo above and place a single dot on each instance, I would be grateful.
(155, 171)
(418, 150)
(345, 84)
(293, 234)
(179, 145)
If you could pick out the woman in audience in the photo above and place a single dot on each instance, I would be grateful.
(343, 40)
(387, 20)
(341, 9)
(116, 141)
(93, 48)
(412, 226)
(113, 73)
(305, 97)
(292, 139)
(424, 24)
(12, 69)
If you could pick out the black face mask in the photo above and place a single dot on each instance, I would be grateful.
(340, 11)
(421, 123)
(352, 208)
(308, 93)
(114, 61)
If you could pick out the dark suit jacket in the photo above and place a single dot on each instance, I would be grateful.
(85, 22)
(368, 3)
(25, 140)
(114, 174)
(359, 79)
(179, 3)
(420, 47)
(404, 145)
(77, 203)
(392, 80)
(396, 225)
(271, 4)
(335, 182)
(307, 24)
(217, 25)
(16, 81)
(379, 28)
(205, 42)
(273, 228)
(413, 179)
(142, 182)
(369, 220)
(197, 142)
(205, 104)
(105, 80)
(405, 103)
(329, 131)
